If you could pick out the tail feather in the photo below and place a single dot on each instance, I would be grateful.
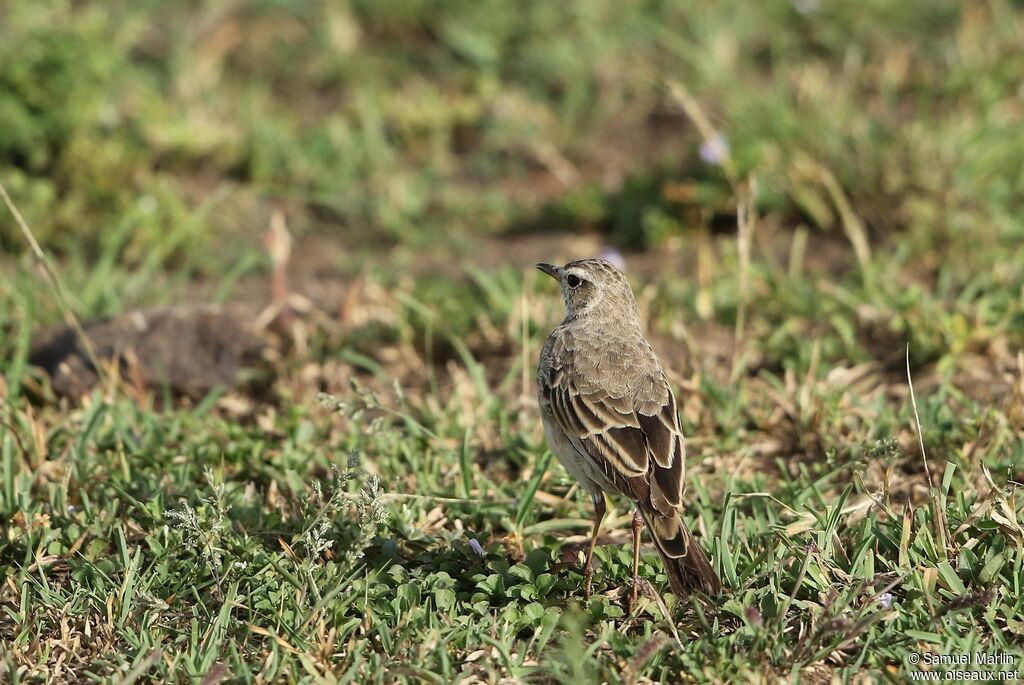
(686, 565)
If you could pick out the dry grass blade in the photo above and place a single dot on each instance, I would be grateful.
(917, 423)
(937, 500)
(746, 219)
(852, 225)
(140, 668)
(653, 595)
(55, 282)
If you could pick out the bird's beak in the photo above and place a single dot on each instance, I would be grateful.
(550, 270)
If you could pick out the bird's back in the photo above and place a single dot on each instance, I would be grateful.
(610, 362)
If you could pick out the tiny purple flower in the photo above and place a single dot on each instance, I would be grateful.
(476, 547)
(885, 599)
(714, 150)
(610, 254)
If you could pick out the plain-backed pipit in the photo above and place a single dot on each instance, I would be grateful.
(610, 418)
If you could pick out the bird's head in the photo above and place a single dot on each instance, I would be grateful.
(593, 287)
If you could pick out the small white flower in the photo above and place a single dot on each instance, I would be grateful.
(806, 7)
(714, 150)
(885, 599)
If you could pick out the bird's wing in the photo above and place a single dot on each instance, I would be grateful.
(632, 433)
(634, 436)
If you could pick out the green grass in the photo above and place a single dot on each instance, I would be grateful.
(427, 153)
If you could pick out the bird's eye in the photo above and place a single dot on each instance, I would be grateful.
(573, 280)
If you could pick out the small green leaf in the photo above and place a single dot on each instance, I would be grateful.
(444, 598)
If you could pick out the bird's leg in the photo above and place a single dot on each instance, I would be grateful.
(588, 565)
(638, 526)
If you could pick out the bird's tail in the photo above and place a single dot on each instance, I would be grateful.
(687, 566)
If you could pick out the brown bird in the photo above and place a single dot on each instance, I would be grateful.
(610, 418)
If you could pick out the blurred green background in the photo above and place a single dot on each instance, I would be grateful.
(168, 128)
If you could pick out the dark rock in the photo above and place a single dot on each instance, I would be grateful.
(189, 349)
